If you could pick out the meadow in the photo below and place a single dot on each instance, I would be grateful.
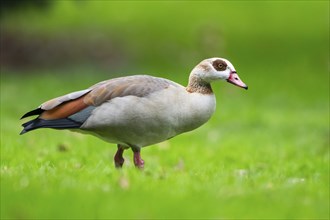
(263, 155)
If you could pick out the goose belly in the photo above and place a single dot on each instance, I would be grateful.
(143, 121)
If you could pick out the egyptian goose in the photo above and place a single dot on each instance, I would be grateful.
(137, 111)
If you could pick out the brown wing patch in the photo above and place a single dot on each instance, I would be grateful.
(96, 94)
(65, 109)
(139, 85)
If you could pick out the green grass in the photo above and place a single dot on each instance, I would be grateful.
(264, 153)
(257, 158)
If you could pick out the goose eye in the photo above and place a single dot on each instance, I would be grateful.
(219, 65)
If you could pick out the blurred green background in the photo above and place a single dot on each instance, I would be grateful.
(264, 153)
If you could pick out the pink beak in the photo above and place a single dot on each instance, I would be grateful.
(234, 79)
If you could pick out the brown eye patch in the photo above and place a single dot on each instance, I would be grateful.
(219, 65)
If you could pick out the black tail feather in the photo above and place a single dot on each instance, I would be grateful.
(62, 123)
(37, 111)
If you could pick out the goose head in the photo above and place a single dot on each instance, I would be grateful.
(214, 69)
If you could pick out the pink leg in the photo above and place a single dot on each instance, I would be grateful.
(119, 160)
(139, 163)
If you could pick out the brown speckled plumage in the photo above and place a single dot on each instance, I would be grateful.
(198, 86)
